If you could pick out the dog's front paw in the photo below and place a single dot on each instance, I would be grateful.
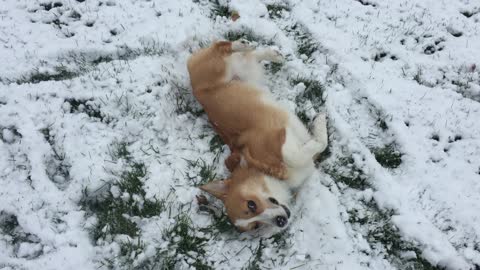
(276, 56)
(242, 45)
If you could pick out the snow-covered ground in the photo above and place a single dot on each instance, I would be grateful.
(102, 145)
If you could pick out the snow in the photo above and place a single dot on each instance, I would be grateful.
(412, 64)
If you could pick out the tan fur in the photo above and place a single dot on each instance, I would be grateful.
(249, 126)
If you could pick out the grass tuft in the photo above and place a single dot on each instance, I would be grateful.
(61, 73)
(381, 230)
(185, 244)
(345, 171)
(276, 10)
(201, 172)
(249, 35)
(274, 67)
(8, 223)
(119, 150)
(129, 250)
(254, 262)
(118, 202)
(86, 106)
(219, 9)
(16, 235)
(306, 44)
(280, 240)
(185, 101)
(374, 223)
(216, 144)
(313, 93)
(388, 156)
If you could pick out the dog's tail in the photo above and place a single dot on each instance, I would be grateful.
(279, 171)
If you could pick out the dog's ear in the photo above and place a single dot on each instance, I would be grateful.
(218, 188)
(224, 46)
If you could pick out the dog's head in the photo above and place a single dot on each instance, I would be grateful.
(252, 199)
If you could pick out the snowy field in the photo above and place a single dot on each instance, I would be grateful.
(102, 145)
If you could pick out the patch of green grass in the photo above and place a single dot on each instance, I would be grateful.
(84, 62)
(121, 200)
(185, 102)
(110, 213)
(8, 223)
(280, 240)
(147, 48)
(9, 226)
(119, 150)
(88, 107)
(61, 73)
(220, 223)
(219, 9)
(374, 223)
(274, 67)
(306, 44)
(247, 34)
(388, 156)
(352, 179)
(344, 171)
(381, 230)
(129, 250)
(200, 171)
(254, 262)
(216, 144)
(276, 10)
(185, 243)
(313, 92)
(58, 169)
(382, 124)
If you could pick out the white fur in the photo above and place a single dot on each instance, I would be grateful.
(244, 63)
(244, 67)
(267, 216)
(280, 190)
(300, 148)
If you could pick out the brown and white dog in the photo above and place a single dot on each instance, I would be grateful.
(271, 150)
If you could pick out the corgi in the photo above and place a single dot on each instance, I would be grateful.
(272, 152)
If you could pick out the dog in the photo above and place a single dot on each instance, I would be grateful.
(272, 152)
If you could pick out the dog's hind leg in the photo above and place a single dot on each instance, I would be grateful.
(319, 130)
(297, 153)
(268, 54)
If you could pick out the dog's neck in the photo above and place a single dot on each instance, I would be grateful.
(279, 189)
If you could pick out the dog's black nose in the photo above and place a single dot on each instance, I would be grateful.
(281, 221)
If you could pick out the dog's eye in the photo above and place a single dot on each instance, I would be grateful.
(252, 206)
(257, 225)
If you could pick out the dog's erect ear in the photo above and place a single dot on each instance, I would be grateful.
(217, 188)
(224, 46)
